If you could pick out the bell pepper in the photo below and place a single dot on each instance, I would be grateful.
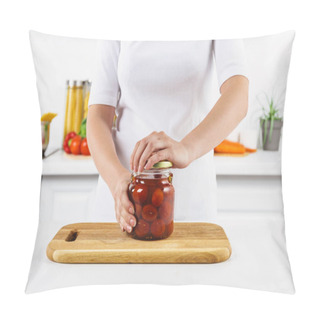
(67, 141)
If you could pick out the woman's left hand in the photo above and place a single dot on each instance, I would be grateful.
(156, 147)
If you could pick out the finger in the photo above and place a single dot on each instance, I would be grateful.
(133, 154)
(158, 156)
(135, 150)
(128, 221)
(140, 149)
(156, 140)
(124, 225)
(129, 218)
(126, 203)
(118, 217)
(122, 228)
(152, 147)
(142, 145)
(116, 207)
(156, 135)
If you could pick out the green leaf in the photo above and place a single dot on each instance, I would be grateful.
(271, 129)
(265, 131)
(83, 128)
(271, 105)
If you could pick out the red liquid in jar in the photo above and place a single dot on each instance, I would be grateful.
(153, 199)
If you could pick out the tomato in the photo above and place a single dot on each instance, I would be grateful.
(169, 228)
(157, 228)
(168, 192)
(165, 211)
(75, 145)
(140, 193)
(138, 210)
(157, 197)
(84, 149)
(142, 228)
(149, 212)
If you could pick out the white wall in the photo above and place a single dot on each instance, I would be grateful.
(59, 59)
(62, 58)
(268, 64)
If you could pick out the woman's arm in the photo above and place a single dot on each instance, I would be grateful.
(227, 113)
(102, 148)
(229, 110)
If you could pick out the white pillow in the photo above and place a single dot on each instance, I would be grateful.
(259, 258)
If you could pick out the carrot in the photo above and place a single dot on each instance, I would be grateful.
(251, 150)
(227, 146)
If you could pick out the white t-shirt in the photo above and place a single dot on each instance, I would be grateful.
(163, 86)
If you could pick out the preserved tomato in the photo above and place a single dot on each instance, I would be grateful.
(138, 210)
(157, 197)
(157, 228)
(140, 193)
(142, 228)
(149, 212)
(170, 227)
(152, 194)
(165, 211)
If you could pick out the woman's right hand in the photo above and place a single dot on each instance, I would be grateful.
(123, 206)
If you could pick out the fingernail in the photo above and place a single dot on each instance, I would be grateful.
(140, 169)
(132, 222)
(129, 229)
(131, 210)
(135, 169)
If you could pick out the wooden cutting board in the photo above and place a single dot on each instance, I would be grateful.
(105, 243)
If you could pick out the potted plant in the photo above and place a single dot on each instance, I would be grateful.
(271, 125)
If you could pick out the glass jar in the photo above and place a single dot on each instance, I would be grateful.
(152, 194)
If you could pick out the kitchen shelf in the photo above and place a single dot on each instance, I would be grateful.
(264, 163)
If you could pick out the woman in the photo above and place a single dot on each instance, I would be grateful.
(161, 92)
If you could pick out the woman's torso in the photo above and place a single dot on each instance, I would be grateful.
(167, 86)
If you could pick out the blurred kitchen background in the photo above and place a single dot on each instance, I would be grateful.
(248, 177)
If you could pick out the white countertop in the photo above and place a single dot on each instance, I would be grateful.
(260, 163)
(265, 163)
(60, 163)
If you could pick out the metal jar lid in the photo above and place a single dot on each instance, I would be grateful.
(164, 164)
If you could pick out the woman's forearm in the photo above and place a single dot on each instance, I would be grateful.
(227, 113)
(101, 145)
